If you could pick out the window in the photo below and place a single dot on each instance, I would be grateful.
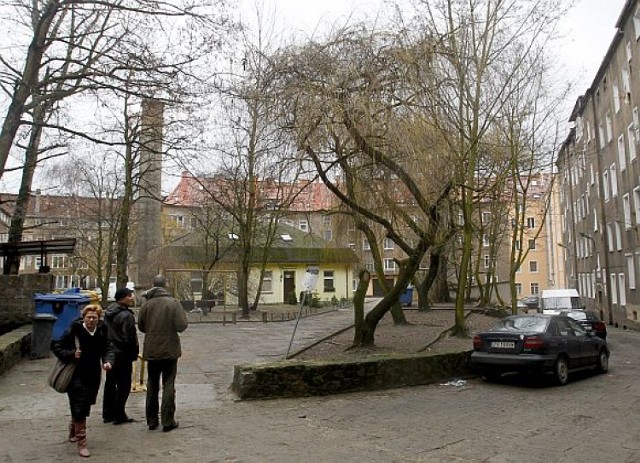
(636, 124)
(389, 265)
(622, 155)
(636, 203)
(303, 225)
(636, 23)
(601, 133)
(618, 236)
(605, 184)
(326, 220)
(517, 245)
(365, 245)
(267, 282)
(485, 240)
(487, 261)
(616, 97)
(626, 206)
(286, 237)
(533, 266)
(532, 244)
(233, 237)
(59, 261)
(177, 220)
(614, 180)
(519, 289)
(614, 290)
(631, 135)
(486, 218)
(352, 245)
(388, 243)
(610, 237)
(62, 281)
(609, 127)
(631, 271)
(535, 289)
(328, 281)
(623, 289)
(531, 222)
(328, 235)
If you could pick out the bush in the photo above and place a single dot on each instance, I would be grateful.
(291, 298)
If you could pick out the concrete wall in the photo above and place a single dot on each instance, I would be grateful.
(306, 378)
(13, 347)
(17, 306)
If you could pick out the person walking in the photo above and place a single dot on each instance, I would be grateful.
(161, 318)
(121, 324)
(86, 343)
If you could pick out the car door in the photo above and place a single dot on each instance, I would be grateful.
(571, 343)
(587, 354)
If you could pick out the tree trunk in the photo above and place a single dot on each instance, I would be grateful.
(358, 306)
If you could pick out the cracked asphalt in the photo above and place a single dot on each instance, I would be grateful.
(592, 419)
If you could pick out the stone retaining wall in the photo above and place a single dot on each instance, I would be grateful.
(297, 378)
(17, 298)
(13, 346)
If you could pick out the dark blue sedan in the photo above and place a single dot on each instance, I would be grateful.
(538, 344)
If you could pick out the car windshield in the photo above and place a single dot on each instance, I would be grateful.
(528, 324)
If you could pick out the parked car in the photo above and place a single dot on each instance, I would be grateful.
(589, 320)
(531, 302)
(538, 344)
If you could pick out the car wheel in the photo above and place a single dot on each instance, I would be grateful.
(603, 361)
(561, 371)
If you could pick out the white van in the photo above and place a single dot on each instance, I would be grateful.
(111, 293)
(552, 301)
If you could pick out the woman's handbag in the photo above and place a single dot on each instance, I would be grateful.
(61, 373)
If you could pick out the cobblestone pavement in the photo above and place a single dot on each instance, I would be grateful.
(591, 419)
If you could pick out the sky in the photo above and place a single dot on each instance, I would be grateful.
(589, 26)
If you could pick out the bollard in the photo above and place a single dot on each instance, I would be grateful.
(138, 384)
(264, 317)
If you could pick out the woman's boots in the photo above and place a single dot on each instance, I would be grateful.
(72, 432)
(81, 436)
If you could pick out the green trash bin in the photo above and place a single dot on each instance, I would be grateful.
(42, 330)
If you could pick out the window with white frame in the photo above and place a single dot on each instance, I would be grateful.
(517, 245)
(613, 178)
(622, 155)
(486, 218)
(610, 237)
(328, 281)
(609, 127)
(365, 245)
(631, 271)
(636, 203)
(533, 266)
(626, 84)
(626, 207)
(328, 235)
(631, 135)
(531, 222)
(614, 289)
(62, 281)
(303, 225)
(618, 236)
(595, 221)
(535, 289)
(592, 177)
(267, 282)
(59, 261)
(636, 23)
(616, 97)
(623, 289)
(605, 184)
(485, 240)
(627, 50)
(388, 244)
(518, 289)
(602, 138)
(389, 265)
(177, 220)
(487, 261)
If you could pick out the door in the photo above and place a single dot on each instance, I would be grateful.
(288, 284)
(377, 287)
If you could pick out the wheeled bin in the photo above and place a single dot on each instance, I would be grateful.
(65, 306)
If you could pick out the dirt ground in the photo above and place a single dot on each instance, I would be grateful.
(422, 334)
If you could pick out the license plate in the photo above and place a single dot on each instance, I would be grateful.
(503, 344)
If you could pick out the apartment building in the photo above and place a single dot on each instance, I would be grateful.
(599, 180)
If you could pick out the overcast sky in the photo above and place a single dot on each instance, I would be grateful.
(589, 26)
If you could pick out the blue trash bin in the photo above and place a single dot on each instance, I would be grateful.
(406, 298)
(65, 306)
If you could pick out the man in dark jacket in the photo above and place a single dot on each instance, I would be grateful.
(161, 319)
(123, 337)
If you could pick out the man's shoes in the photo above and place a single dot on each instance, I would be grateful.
(171, 427)
(124, 420)
(108, 420)
(153, 427)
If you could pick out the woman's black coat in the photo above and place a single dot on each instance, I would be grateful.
(95, 350)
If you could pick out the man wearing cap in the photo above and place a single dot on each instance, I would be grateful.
(123, 336)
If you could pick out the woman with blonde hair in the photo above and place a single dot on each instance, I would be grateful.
(86, 344)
